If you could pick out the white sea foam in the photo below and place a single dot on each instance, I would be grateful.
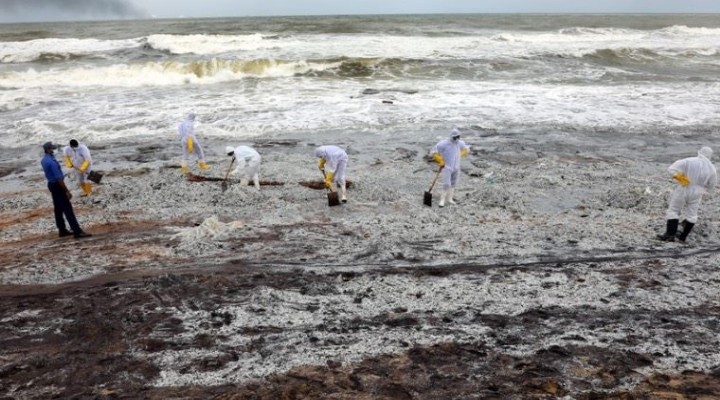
(576, 41)
(205, 44)
(18, 52)
(255, 84)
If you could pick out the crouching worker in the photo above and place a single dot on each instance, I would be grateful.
(447, 154)
(60, 194)
(248, 164)
(77, 157)
(695, 176)
(333, 162)
(190, 144)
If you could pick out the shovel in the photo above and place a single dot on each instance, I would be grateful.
(332, 196)
(427, 198)
(224, 184)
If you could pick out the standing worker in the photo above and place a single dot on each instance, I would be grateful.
(695, 176)
(447, 154)
(248, 164)
(189, 143)
(333, 162)
(60, 194)
(77, 157)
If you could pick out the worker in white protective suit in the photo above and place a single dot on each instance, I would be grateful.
(447, 153)
(333, 162)
(77, 157)
(695, 176)
(190, 144)
(248, 164)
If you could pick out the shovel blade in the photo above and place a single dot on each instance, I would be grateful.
(224, 186)
(427, 199)
(333, 199)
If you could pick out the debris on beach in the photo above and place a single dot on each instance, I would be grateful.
(211, 228)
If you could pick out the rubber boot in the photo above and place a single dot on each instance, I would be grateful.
(671, 230)
(244, 182)
(442, 199)
(203, 166)
(184, 169)
(343, 193)
(256, 182)
(87, 188)
(687, 227)
(450, 194)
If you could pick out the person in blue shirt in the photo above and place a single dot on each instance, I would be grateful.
(60, 194)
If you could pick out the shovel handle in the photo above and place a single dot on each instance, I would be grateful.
(432, 185)
(228, 170)
(325, 177)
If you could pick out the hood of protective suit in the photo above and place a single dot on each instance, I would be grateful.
(454, 132)
(705, 152)
(190, 117)
(319, 152)
(229, 149)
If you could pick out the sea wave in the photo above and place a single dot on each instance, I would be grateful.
(166, 73)
(205, 44)
(60, 49)
(676, 40)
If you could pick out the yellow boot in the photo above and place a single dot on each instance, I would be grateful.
(184, 169)
(203, 166)
(87, 189)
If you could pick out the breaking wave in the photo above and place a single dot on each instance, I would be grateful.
(194, 72)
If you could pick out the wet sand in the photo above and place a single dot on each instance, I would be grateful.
(544, 281)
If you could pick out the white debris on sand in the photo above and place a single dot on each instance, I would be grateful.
(522, 199)
(210, 229)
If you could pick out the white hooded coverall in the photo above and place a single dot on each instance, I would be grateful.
(702, 176)
(450, 151)
(248, 163)
(336, 161)
(78, 156)
(186, 129)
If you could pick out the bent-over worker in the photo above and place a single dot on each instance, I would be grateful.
(248, 164)
(333, 162)
(695, 176)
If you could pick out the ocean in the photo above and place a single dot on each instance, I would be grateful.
(373, 75)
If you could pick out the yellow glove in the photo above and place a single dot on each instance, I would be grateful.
(190, 144)
(68, 161)
(438, 159)
(328, 179)
(463, 152)
(682, 179)
(84, 166)
(321, 163)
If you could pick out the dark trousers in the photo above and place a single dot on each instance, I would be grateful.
(62, 206)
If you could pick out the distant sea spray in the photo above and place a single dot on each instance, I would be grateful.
(34, 10)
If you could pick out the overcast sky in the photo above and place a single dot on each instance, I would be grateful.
(48, 10)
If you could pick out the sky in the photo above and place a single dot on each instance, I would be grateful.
(62, 10)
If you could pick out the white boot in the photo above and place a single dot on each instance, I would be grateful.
(442, 199)
(244, 182)
(450, 194)
(256, 181)
(343, 191)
